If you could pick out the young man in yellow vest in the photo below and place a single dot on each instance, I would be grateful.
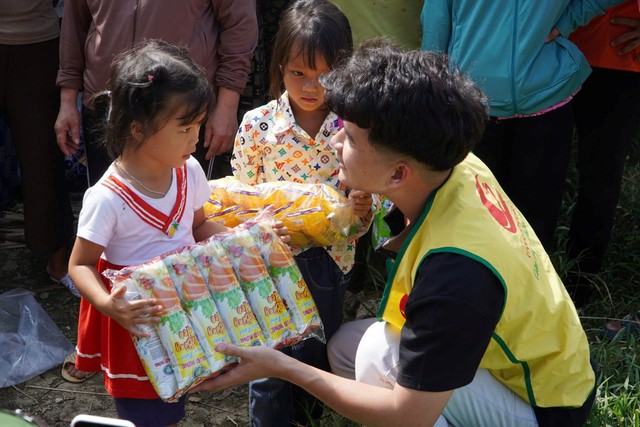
(476, 328)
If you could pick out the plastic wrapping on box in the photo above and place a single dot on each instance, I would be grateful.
(225, 289)
(252, 273)
(288, 280)
(216, 291)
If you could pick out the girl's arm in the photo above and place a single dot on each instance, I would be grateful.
(83, 272)
(203, 229)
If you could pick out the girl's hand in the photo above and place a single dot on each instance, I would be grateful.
(281, 230)
(130, 314)
(360, 203)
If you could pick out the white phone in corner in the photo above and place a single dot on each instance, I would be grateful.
(83, 420)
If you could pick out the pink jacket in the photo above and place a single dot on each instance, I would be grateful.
(220, 34)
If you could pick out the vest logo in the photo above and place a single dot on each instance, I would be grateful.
(403, 304)
(497, 207)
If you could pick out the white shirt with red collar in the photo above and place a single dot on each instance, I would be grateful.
(134, 228)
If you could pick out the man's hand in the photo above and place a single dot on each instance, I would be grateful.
(253, 363)
(67, 126)
(222, 126)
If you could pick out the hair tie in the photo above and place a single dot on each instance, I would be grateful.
(150, 78)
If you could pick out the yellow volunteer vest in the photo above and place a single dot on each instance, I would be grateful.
(538, 349)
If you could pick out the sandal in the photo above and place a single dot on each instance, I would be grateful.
(629, 325)
(79, 376)
(67, 283)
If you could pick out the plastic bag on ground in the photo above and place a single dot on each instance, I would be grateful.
(30, 340)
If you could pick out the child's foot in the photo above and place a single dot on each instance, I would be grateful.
(57, 270)
(70, 373)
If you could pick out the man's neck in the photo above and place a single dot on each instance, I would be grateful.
(412, 197)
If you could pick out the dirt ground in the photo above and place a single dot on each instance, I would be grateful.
(47, 395)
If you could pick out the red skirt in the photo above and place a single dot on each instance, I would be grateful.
(104, 345)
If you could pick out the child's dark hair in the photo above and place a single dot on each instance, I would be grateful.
(148, 84)
(311, 26)
(413, 103)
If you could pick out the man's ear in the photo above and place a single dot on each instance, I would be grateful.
(400, 174)
(137, 131)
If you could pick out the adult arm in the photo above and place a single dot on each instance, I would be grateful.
(237, 38)
(67, 125)
(73, 35)
(436, 25)
(630, 40)
(579, 13)
(366, 404)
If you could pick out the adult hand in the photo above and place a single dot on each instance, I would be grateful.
(629, 40)
(67, 126)
(253, 363)
(222, 126)
(552, 35)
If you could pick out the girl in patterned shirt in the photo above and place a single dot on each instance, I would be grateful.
(288, 139)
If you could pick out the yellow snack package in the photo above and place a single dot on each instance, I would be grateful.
(154, 357)
(288, 281)
(252, 273)
(229, 297)
(316, 214)
(199, 305)
(175, 330)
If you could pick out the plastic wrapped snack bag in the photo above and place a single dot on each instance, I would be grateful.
(270, 311)
(175, 330)
(199, 305)
(232, 304)
(288, 281)
(154, 357)
(315, 214)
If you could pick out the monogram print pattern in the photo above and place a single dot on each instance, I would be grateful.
(270, 146)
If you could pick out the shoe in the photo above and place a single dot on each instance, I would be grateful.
(629, 325)
(79, 376)
(67, 283)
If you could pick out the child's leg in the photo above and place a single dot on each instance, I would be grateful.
(275, 402)
(150, 412)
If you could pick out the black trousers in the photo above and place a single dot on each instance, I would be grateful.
(607, 117)
(30, 98)
(530, 157)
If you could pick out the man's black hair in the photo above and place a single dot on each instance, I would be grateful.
(413, 103)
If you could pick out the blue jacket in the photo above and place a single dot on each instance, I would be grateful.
(501, 45)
